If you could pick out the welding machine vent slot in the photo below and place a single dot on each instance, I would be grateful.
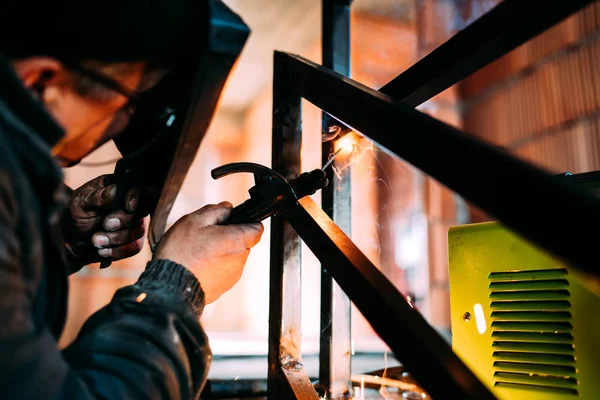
(531, 295)
(546, 305)
(545, 337)
(529, 274)
(529, 285)
(531, 315)
(532, 331)
(559, 327)
(533, 347)
(541, 358)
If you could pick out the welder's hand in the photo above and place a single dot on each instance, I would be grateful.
(216, 254)
(94, 230)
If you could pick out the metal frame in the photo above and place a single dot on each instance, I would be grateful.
(516, 193)
(504, 28)
(336, 334)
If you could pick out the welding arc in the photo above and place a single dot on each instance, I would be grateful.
(333, 156)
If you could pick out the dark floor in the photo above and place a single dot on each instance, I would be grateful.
(246, 376)
(255, 367)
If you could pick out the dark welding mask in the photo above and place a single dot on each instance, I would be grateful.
(162, 132)
(140, 102)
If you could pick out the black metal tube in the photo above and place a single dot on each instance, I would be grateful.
(502, 29)
(555, 215)
(413, 341)
(480, 43)
(335, 337)
(285, 243)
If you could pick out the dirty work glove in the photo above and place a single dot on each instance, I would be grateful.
(216, 254)
(94, 231)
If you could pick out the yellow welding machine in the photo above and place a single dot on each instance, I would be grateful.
(524, 322)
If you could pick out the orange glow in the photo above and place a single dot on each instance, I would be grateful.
(346, 143)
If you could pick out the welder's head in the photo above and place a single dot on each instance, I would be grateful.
(89, 65)
(92, 101)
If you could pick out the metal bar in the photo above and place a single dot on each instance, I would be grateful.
(588, 180)
(298, 386)
(528, 200)
(335, 341)
(477, 45)
(285, 273)
(502, 29)
(413, 341)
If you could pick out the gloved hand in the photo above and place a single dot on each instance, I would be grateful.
(94, 231)
(215, 254)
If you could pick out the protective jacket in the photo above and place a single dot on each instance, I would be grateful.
(147, 343)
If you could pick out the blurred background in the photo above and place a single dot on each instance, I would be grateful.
(540, 102)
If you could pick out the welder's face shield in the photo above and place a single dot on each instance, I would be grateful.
(72, 148)
(149, 115)
(160, 135)
(140, 106)
(160, 128)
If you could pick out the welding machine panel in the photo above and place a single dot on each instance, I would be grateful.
(522, 320)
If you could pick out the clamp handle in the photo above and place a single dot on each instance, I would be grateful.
(269, 195)
(272, 193)
(260, 171)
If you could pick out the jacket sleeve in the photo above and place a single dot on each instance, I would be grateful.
(147, 343)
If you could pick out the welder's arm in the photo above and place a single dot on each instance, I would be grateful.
(146, 343)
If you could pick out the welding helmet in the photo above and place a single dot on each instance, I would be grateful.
(196, 41)
(156, 32)
(160, 137)
(159, 144)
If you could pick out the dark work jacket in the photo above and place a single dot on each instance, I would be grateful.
(147, 343)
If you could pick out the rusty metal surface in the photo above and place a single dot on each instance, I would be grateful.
(298, 385)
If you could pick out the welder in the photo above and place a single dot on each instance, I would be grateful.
(69, 71)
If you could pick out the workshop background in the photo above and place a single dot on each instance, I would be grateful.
(540, 102)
